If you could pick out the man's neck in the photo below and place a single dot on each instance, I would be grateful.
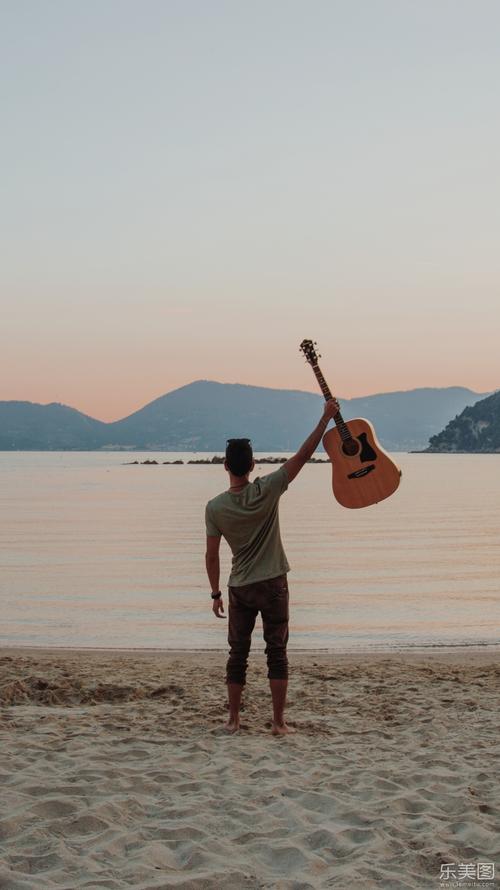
(238, 482)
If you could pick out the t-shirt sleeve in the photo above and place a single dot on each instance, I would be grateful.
(212, 530)
(276, 482)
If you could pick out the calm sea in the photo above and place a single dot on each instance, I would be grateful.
(98, 553)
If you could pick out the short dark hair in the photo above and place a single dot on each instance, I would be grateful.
(239, 456)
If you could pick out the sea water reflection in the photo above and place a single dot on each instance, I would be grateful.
(96, 552)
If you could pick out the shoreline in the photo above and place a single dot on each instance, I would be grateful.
(426, 648)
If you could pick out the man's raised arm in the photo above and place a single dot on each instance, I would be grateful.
(294, 464)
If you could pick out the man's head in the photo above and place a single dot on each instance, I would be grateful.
(239, 456)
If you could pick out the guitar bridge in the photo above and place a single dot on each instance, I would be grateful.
(362, 472)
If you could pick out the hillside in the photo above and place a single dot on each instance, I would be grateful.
(28, 426)
(202, 415)
(476, 429)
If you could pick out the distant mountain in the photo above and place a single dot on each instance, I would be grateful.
(202, 415)
(405, 420)
(476, 429)
(28, 426)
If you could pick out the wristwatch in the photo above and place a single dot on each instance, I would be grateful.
(215, 596)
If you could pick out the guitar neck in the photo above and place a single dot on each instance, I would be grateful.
(322, 382)
(339, 420)
(325, 389)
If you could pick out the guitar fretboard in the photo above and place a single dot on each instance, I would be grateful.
(339, 420)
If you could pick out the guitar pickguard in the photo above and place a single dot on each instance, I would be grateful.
(367, 452)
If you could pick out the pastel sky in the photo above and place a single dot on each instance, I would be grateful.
(191, 187)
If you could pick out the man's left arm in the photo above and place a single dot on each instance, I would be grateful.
(212, 563)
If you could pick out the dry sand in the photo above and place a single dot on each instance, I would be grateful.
(115, 771)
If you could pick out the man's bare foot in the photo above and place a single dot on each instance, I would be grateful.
(232, 725)
(281, 728)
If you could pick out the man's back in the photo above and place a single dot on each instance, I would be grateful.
(249, 522)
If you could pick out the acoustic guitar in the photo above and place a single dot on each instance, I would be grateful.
(362, 472)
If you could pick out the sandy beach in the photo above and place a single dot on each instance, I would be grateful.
(116, 771)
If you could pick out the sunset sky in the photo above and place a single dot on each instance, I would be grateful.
(191, 187)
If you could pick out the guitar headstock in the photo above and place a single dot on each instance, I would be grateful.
(307, 347)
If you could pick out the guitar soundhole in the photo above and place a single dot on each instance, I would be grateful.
(350, 447)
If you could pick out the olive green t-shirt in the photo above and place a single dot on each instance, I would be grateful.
(249, 522)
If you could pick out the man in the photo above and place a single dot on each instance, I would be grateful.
(246, 515)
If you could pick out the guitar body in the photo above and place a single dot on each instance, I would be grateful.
(365, 477)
